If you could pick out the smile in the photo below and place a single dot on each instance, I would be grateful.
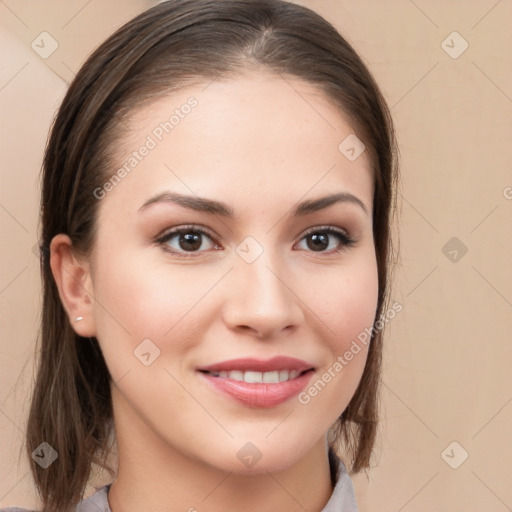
(258, 383)
(252, 377)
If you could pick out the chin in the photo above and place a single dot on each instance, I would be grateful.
(259, 456)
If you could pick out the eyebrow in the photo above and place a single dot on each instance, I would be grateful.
(219, 208)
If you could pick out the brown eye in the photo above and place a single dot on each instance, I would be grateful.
(186, 240)
(319, 240)
(190, 241)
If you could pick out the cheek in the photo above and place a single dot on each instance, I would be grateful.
(346, 302)
(347, 310)
(138, 300)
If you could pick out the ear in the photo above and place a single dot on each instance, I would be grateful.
(73, 279)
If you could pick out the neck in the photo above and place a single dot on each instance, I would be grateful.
(152, 475)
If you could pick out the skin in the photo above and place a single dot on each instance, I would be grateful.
(260, 146)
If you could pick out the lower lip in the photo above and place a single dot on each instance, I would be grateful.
(259, 395)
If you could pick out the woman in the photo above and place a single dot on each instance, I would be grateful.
(217, 199)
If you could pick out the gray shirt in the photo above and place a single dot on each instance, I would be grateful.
(342, 499)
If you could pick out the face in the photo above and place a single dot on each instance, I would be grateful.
(253, 278)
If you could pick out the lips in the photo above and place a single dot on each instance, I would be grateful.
(258, 365)
(258, 383)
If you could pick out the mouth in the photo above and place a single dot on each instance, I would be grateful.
(253, 365)
(256, 377)
(258, 383)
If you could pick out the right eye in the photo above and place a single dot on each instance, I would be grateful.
(186, 239)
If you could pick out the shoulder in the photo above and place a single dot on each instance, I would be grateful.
(98, 502)
(16, 509)
(343, 495)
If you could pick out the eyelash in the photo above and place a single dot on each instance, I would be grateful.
(345, 239)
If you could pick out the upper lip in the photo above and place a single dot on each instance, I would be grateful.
(260, 365)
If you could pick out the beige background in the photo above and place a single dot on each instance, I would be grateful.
(448, 353)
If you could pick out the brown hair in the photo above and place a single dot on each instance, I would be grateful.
(163, 49)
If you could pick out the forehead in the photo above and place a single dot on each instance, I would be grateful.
(258, 132)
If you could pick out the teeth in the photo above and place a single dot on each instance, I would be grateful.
(258, 377)
(253, 377)
(270, 377)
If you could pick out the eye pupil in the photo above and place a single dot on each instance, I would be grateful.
(320, 241)
(192, 238)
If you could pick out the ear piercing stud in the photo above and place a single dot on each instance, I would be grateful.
(78, 318)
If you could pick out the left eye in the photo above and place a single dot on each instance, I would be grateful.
(317, 239)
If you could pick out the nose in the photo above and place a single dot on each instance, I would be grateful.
(261, 300)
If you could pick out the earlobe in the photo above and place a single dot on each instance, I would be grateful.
(73, 280)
